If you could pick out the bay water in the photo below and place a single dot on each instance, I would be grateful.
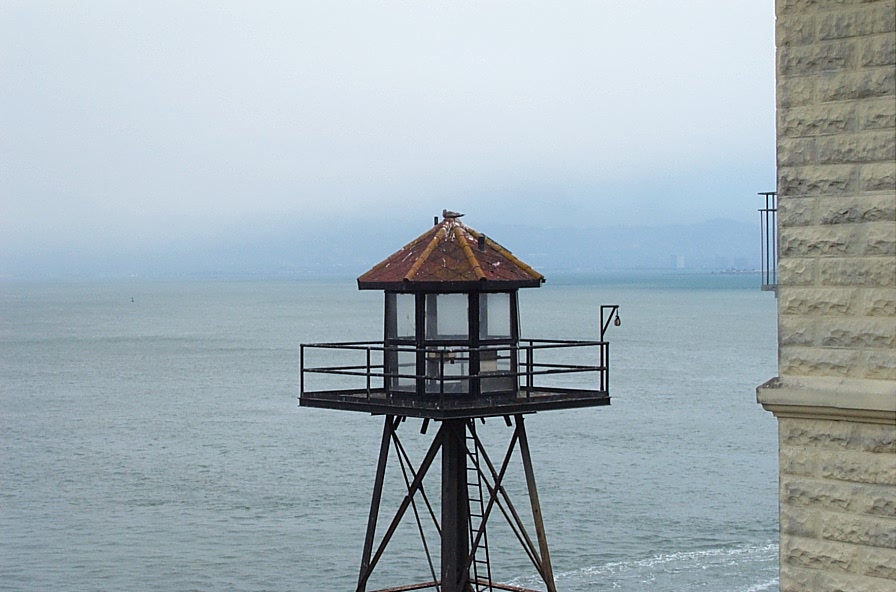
(150, 439)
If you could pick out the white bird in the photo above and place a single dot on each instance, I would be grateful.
(450, 214)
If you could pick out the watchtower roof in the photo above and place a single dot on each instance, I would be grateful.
(450, 256)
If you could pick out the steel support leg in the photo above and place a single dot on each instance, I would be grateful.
(455, 508)
(536, 506)
(388, 428)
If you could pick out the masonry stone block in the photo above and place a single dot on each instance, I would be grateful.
(865, 147)
(878, 563)
(795, 30)
(816, 361)
(795, 211)
(816, 493)
(878, 114)
(796, 151)
(880, 238)
(813, 432)
(796, 91)
(879, 50)
(839, 496)
(820, 361)
(879, 303)
(829, 302)
(852, 85)
(814, 180)
(884, 505)
(880, 176)
(838, 557)
(842, 465)
(800, 522)
(796, 272)
(851, 528)
(820, 57)
(872, 272)
(849, 22)
(796, 331)
(859, 332)
(837, 435)
(815, 554)
(784, 7)
(818, 120)
(795, 578)
(837, 25)
(876, 17)
(863, 208)
(878, 364)
(819, 241)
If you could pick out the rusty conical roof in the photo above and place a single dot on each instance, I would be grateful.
(450, 255)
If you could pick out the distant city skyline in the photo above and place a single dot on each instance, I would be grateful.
(135, 130)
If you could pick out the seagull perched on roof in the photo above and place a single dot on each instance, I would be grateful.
(450, 214)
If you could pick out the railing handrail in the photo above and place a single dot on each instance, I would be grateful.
(526, 369)
(383, 346)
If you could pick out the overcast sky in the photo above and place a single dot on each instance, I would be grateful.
(129, 124)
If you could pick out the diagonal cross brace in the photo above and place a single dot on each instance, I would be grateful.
(367, 566)
(492, 497)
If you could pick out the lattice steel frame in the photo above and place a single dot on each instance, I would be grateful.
(460, 539)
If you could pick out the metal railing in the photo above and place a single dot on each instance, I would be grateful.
(769, 241)
(448, 368)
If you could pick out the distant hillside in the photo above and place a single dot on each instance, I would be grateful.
(710, 246)
(350, 247)
(713, 245)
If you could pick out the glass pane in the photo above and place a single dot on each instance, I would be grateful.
(407, 367)
(446, 316)
(447, 370)
(494, 315)
(404, 309)
(496, 362)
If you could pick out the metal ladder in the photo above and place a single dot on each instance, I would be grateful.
(481, 572)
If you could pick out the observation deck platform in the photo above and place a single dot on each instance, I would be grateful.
(532, 376)
(379, 402)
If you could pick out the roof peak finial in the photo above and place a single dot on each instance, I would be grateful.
(448, 214)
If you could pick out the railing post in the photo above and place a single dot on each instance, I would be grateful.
(368, 373)
(604, 368)
(302, 370)
(529, 363)
(441, 373)
(515, 366)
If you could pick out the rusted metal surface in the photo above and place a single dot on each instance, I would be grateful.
(441, 396)
(449, 255)
(415, 486)
(455, 508)
(546, 571)
(434, 585)
(434, 407)
(410, 587)
(455, 376)
(461, 540)
(388, 429)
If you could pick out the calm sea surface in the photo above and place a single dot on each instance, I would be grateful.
(156, 443)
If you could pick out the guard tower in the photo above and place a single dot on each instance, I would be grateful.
(452, 353)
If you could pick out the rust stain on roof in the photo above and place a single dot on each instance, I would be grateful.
(449, 252)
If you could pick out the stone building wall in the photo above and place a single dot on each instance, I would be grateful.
(835, 396)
